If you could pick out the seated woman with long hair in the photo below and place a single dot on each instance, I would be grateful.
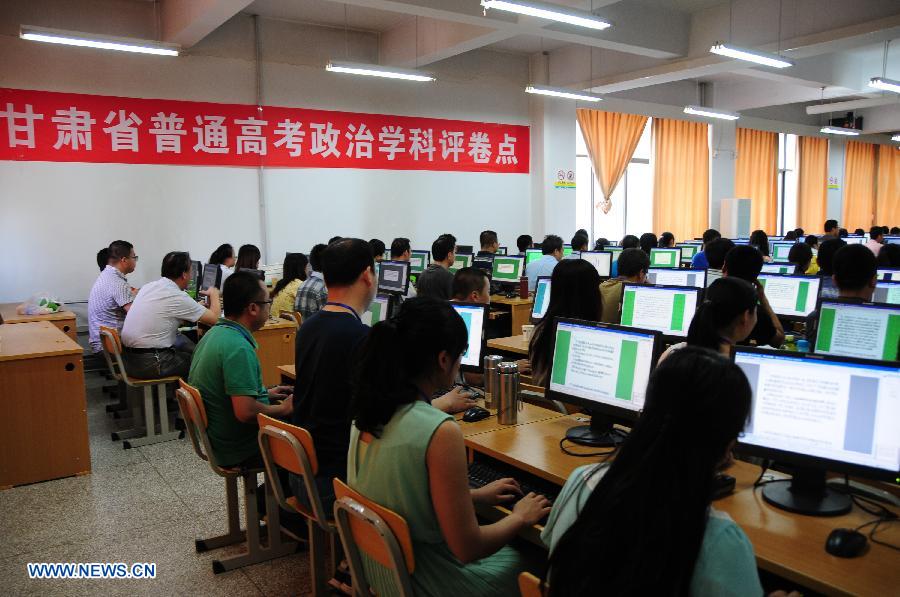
(408, 456)
(644, 524)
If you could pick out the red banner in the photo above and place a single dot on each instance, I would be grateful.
(66, 127)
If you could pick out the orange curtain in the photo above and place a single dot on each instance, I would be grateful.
(680, 177)
(611, 138)
(812, 182)
(859, 185)
(756, 176)
(887, 202)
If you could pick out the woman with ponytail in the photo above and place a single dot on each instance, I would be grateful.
(408, 456)
(726, 317)
(644, 525)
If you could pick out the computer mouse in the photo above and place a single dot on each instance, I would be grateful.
(845, 543)
(476, 413)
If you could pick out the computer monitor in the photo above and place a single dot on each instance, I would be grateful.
(865, 331)
(567, 250)
(777, 268)
(741, 241)
(212, 276)
(193, 286)
(688, 250)
(616, 251)
(601, 260)
(379, 309)
(670, 258)
(780, 250)
(892, 240)
(887, 293)
(465, 249)
(501, 251)
(855, 240)
(603, 368)
(541, 298)
(532, 255)
(461, 261)
(393, 277)
(818, 413)
(508, 269)
(474, 316)
(889, 274)
(663, 276)
(668, 309)
(273, 272)
(418, 261)
(827, 288)
(791, 297)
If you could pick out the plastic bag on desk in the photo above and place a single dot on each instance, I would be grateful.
(42, 303)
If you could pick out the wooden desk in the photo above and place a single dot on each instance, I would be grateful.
(276, 347)
(513, 344)
(519, 308)
(64, 320)
(43, 430)
(788, 545)
(288, 374)
(530, 413)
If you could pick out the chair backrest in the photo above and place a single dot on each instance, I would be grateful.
(379, 533)
(112, 352)
(288, 315)
(530, 585)
(298, 317)
(190, 403)
(291, 447)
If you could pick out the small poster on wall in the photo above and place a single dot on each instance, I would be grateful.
(834, 182)
(565, 179)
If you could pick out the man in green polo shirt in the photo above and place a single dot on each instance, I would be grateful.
(226, 371)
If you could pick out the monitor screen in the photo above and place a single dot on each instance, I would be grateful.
(665, 257)
(892, 240)
(484, 263)
(616, 251)
(532, 255)
(791, 296)
(668, 309)
(854, 240)
(379, 310)
(501, 251)
(688, 251)
(193, 286)
(601, 260)
(833, 409)
(541, 297)
(776, 268)
(741, 241)
(567, 250)
(889, 275)
(780, 251)
(663, 276)
(887, 293)
(461, 261)
(473, 315)
(827, 288)
(418, 261)
(464, 249)
(865, 331)
(602, 364)
(212, 276)
(393, 276)
(508, 269)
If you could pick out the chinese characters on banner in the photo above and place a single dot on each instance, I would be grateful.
(65, 127)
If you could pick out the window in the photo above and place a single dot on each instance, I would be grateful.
(632, 200)
(787, 182)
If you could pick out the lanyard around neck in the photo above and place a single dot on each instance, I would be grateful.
(347, 307)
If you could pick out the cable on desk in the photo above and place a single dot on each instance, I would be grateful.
(606, 453)
(759, 480)
(882, 514)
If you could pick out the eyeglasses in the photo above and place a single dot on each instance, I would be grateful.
(263, 302)
(134, 257)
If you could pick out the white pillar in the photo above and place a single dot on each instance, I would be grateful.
(723, 156)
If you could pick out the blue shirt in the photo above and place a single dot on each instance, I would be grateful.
(699, 261)
(542, 267)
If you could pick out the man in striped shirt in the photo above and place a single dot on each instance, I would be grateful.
(111, 295)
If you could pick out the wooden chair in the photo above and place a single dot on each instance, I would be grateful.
(194, 413)
(292, 316)
(381, 534)
(291, 448)
(134, 437)
(530, 585)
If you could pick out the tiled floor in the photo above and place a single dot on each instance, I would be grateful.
(140, 505)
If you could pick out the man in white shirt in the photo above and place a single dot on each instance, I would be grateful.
(111, 296)
(876, 239)
(153, 346)
(552, 248)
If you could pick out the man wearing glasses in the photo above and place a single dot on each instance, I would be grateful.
(111, 296)
(153, 346)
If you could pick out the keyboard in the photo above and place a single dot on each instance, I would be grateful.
(483, 473)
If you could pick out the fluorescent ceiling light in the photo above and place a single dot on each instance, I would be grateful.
(895, 138)
(551, 12)
(101, 42)
(710, 113)
(374, 70)
(839, 130)
(563, 93)
(750, 55)
(885, 84)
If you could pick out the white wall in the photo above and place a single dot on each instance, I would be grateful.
(56, 216)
